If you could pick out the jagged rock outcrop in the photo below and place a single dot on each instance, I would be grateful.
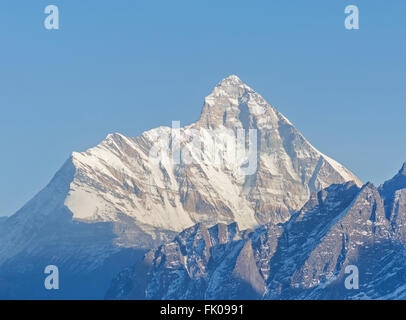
(200, 263)
(305, 258)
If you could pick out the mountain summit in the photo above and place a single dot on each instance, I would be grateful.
(116, 197)
(116, 178)
(234, 104)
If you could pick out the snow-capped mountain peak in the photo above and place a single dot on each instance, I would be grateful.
(117, 178)
(234, 104)
(121, 195)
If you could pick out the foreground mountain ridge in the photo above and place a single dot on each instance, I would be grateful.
(305, 258)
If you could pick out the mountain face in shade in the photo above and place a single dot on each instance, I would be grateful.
(305, 258)
(109, 204)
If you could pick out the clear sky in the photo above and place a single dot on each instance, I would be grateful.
(127, 66)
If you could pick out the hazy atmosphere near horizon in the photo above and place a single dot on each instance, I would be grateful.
(129, 66)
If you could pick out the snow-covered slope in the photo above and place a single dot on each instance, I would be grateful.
(119, 196)
(305, 258)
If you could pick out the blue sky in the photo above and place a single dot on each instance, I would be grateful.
(128, 66)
